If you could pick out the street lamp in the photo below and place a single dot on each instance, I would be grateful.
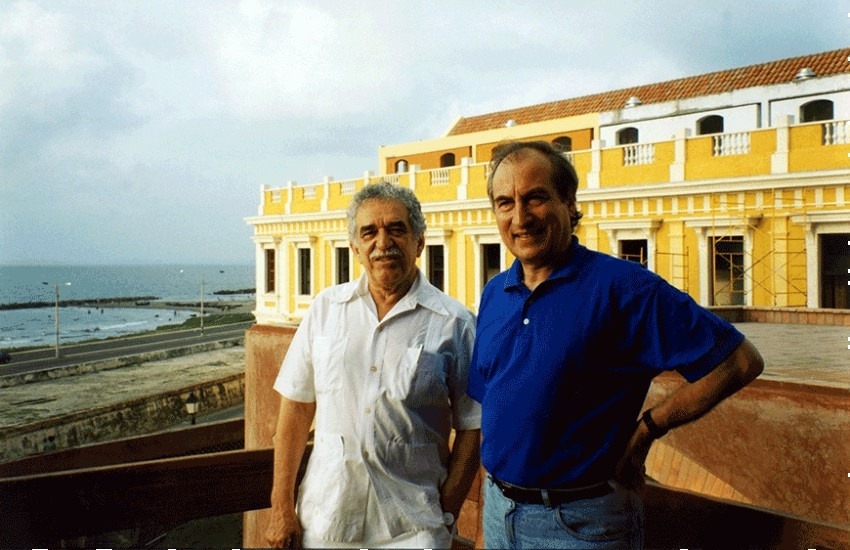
(192, 405)
(202, 305)
(56, 314)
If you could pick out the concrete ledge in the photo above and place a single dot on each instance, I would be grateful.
(11, 380)
(136, 417)
(792, 315)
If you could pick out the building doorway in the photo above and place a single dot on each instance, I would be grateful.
(835, 270)
(727, 271)
(634, 250)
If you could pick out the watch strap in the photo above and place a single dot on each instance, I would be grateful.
(655, 431)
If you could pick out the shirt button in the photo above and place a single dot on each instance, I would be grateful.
(368, 410)
(365, 454)
(373, 368)
(525, 321)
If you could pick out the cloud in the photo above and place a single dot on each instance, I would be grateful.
(141, 131)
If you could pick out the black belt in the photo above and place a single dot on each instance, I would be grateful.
(552, 497)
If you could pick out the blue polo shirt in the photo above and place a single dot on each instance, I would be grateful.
(562, 373)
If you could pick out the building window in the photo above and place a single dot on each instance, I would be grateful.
(627, 136)
(712, 124)
(814, 111)
(447, 160)
(343, 265)
(436, 265)
(270, 270)
(304, 282)
(563, 143)
(634, 250)
(400, 166)
(835, 270)
(491, 263)
(727, 270)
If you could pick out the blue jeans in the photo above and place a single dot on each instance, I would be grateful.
(612, 521)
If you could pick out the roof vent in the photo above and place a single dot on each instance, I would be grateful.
(633, 101)
(509, 123)
(804, 74)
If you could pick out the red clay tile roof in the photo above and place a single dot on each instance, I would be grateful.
(773, 72)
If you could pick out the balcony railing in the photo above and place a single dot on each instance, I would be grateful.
(440, 176)
(780, 149)
(737, 143)
(638, 153)
(836, 132)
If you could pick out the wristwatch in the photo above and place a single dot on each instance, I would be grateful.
(655, 431)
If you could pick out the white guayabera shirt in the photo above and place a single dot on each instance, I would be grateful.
(387, 395)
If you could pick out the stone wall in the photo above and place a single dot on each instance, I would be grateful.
(136, 417)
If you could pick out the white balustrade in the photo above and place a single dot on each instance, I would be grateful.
(638, 153)
(347, 187)
(440, 176)
(737, 143)
(836, 132)
(392, 178)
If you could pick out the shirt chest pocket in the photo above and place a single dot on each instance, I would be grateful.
(418, 377)
(328, 363)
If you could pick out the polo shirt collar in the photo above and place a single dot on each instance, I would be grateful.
(567, 270)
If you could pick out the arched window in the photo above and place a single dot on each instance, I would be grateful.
(627, 136)
(447, 160)
(712, 124)
(563, 143)
(820, 109)
(400, 166)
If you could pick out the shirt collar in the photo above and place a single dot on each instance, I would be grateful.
(421, 293)
(568, 269)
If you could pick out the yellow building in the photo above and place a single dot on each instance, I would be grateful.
(733, 185)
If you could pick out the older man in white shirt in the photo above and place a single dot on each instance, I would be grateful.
(381, 363)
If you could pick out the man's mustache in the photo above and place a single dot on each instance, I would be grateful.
(386, 254)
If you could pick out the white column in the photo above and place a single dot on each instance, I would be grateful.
(595, 163)
(261, 209)
(677, 169)
(412, 169)
(779, 159)
(326, 186)
(463, 188)
(288, 208)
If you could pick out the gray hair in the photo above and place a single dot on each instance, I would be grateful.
(384, 190)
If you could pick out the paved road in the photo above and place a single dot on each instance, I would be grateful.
(44, 358)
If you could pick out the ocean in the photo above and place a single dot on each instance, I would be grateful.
(35, 326)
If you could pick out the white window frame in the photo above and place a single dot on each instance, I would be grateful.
(633, 230)
(481, 236)
(437, 237)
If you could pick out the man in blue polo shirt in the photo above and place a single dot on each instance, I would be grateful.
(568, 341)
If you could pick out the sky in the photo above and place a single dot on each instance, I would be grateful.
(140, 132)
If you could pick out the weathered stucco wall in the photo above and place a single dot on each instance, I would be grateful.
(777, 445)
(265, 347)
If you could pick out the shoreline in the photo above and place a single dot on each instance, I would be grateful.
(142, 302)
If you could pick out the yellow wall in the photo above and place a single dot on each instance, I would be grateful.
(808, 152)
(615, 174)
(702, 164)
(428, 160)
